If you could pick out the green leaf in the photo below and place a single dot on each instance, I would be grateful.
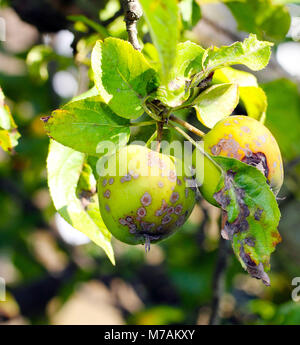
(216, 103)
(283, 115)
(252, 215)
(86, 193)
(255, 102)
(262, 17)
(151, 54)
(231, 75)
(162, 17)
(188, 57)
(85, 124)
(190, 13)
(64, 167)
(123, 76)
(8, 130)
(252, 53)
(93, 92)
(251, 95)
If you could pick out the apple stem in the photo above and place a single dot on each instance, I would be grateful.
(159, 130)
(186, 125)
(141, 124)
(147, 243)
(196, 144)
(153, 137)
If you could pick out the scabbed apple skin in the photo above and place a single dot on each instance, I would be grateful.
(245, 139)
(149, 199)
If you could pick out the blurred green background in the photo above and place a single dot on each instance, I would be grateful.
(53, 274)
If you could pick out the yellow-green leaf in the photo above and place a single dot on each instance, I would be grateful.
(64, 167)
(255, 102)
(251, 95)
(122, 76)
(216, 103)
(162, 17)
(84, 124)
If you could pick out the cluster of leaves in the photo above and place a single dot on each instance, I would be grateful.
(183, 276)
(128, 84)
(268, 19)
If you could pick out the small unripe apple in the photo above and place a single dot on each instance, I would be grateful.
(143, 196)
(245, 139)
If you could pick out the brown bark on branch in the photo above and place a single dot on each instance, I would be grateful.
(132, 13)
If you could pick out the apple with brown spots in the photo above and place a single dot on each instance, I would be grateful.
(143, 196)
(245, 139)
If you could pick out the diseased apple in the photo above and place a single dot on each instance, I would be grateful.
(245, 139)
(143, 196)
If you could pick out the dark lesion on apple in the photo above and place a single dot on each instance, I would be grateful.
(257, 160)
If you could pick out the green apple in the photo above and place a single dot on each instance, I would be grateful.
(143, 195)
(245, 139)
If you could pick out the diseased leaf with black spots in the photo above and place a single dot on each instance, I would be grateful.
(252, 215)
(72, 190)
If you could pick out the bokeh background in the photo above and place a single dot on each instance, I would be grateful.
(54, 275)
